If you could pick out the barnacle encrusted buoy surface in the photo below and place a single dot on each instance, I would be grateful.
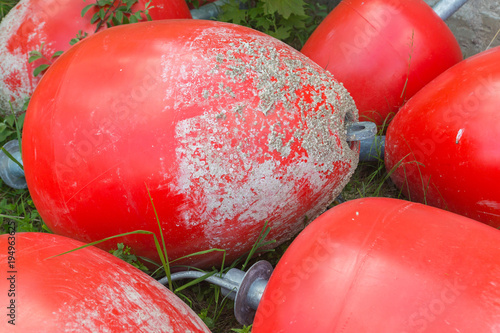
(227, 128)
(87, 290)
(52, 23)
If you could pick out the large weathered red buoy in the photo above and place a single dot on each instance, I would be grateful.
(385, 265)
(88, 290)
(53, 23)
(227, 127)
(383, 51)
(442, 148)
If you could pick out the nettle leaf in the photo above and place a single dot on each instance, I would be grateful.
(40, 69)
(285, 7)
(86, 9)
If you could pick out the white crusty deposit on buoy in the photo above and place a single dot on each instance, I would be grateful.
(13, 63)
(271, 138)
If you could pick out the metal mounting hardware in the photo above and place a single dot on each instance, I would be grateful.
(245, 289)
(445, 8)
(372, 149)
(361, 131)
(10, 172)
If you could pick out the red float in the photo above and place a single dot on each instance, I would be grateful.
(383, 51)
(443, 145)
(227, 127)
(54, 23)
(385, 265)
(88, 290)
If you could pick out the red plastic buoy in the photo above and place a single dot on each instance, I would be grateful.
(227, 127)
(443, 145)
(53, 23)
(383, 51)
(385, 265)
(88, 290)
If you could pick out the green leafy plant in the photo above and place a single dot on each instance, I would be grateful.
(124, 253)
(245, 329)
(6, 6)
(109, 13)
(291, 21)
(116, 12)
(36, 55)
(79, 36)
(194, 3)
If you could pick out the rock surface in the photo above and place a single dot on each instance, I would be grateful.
(475, 25)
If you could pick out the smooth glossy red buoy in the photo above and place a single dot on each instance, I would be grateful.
(227, 127)
(88, 290)
(383, 51)
(442, 148)
(385, 265)
(53, 23)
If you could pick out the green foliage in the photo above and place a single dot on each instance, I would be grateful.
(108, 12)
(291, 21)
(123, 252)
(16, 206)
(6, 6)
(195, 3)
(36, 55)
(245, 329)
(8, 127)
(79, 36)
(116, 12)
(214, 305)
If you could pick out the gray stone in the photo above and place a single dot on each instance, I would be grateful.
(475, 25)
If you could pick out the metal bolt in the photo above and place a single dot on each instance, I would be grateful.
(245, 288)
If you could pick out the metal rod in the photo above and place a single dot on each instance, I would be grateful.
(372, 149)
(208, 11)
(245, 288)
(446, 8)
(218, 281)
(362, 130)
